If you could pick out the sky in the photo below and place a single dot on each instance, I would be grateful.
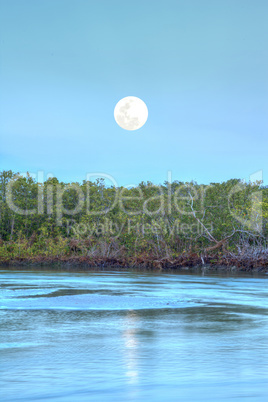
(201, 67)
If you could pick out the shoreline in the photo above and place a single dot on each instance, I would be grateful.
(192, 263)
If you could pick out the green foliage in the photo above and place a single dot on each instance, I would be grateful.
(170, 219)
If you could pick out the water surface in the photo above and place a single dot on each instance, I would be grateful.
(132, 336)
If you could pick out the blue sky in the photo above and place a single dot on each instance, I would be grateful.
(200, 66)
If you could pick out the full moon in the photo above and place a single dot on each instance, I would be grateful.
(131, 113)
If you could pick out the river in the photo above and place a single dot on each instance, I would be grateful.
(132, 336)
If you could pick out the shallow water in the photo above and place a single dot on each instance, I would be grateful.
(132, 336)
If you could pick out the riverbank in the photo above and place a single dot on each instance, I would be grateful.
(184, 262)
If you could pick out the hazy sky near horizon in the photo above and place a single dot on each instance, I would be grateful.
(201, 66)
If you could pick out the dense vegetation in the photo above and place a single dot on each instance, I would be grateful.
(166, 225)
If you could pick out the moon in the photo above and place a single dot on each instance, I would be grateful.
(131, 113)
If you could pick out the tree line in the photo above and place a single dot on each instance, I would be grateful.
(95, 219)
